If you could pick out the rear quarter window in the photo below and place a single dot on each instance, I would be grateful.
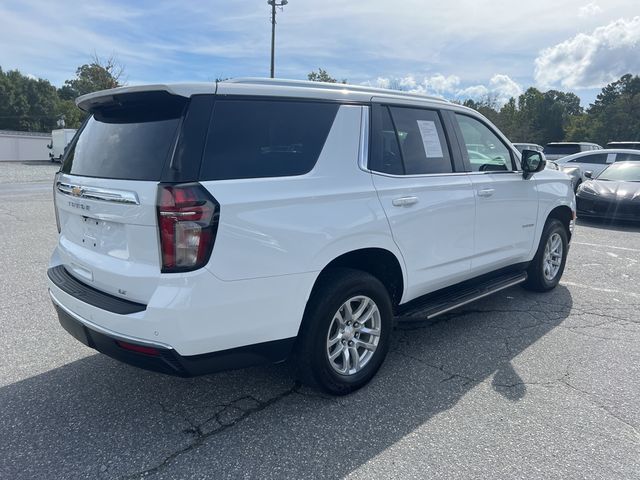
(597, 158)
(265, 138)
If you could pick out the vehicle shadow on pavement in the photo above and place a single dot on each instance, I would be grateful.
(96, 418)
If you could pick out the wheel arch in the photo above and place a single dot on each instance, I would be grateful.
(379, 262)
(565, 215)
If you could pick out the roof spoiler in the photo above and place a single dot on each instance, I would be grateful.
(94, 100)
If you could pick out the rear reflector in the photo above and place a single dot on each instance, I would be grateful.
(138, 348)
(188, 221)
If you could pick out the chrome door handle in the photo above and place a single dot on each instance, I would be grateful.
(404, 201)
(486, 192)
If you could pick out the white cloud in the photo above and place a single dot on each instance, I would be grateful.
(474, 92)
(589, 10)
(500, 87)
(591, 60)
(503, 87)
(381, 82)
(441, 84)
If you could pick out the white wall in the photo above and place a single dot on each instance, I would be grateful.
(22, 146)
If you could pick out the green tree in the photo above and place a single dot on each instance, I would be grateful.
(91, 77)
(26, 103)
(579, 129)
(615, 114)
(322, 76)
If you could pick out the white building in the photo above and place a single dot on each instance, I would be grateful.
(24, 146)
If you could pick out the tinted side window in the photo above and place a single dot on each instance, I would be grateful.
(385, 150)
(622, 157)
(422, 141)
(486, 151)
(265, 138)
(600, 158)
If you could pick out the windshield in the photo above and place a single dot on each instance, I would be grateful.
(565, 149)
(626, 172)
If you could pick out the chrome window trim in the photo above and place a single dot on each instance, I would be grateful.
(96, 193)
(363, 149)
(450, 174)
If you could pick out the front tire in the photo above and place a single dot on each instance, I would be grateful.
(547, 266)
(345, 333)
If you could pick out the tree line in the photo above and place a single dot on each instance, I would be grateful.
(542, 117)
(35, 105)
(553, 116)
(30, 104)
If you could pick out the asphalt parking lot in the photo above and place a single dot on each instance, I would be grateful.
(518, 385)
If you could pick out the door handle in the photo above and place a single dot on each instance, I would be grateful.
(404, 201)
(486, 192)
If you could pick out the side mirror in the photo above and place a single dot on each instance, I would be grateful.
(588, 174)
(532, 162)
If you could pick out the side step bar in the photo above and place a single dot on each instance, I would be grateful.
(451, 298)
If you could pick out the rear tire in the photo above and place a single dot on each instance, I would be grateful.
(547, 266)
(345, 332)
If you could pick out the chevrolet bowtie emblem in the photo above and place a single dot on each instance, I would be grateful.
(76, 191)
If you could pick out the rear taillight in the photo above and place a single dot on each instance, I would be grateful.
(188, 221)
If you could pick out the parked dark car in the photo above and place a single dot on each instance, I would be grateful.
(614, 194)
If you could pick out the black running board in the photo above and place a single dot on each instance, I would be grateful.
(454, 297)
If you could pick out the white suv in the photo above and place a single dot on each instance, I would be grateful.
(213, 226)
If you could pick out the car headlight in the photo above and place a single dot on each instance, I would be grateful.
(586, 189)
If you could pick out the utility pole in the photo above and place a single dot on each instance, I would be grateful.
(274, 4)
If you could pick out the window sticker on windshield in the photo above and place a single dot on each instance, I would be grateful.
(430, 139)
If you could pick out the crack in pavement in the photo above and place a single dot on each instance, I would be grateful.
(200, 436)
(589, 397)
(440, 368)
(8, 213)
(243, 406)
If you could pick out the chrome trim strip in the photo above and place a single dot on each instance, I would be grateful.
(478, 297)
(106, 331)
(96, 193)
(363, 151)
(448, 174)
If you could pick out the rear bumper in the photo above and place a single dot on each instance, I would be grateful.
(194, 313)
(164, 359)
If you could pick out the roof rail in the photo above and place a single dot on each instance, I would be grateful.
(331, 86)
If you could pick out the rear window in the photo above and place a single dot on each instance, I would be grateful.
(130, 139)
(265, 138)
(631, 145)
(562, 149)
(596, 158)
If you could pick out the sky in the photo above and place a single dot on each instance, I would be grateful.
(457, 49)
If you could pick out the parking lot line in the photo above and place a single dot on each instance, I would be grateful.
(599, 289)
(606, 246)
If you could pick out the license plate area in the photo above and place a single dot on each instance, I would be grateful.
(101, 236)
